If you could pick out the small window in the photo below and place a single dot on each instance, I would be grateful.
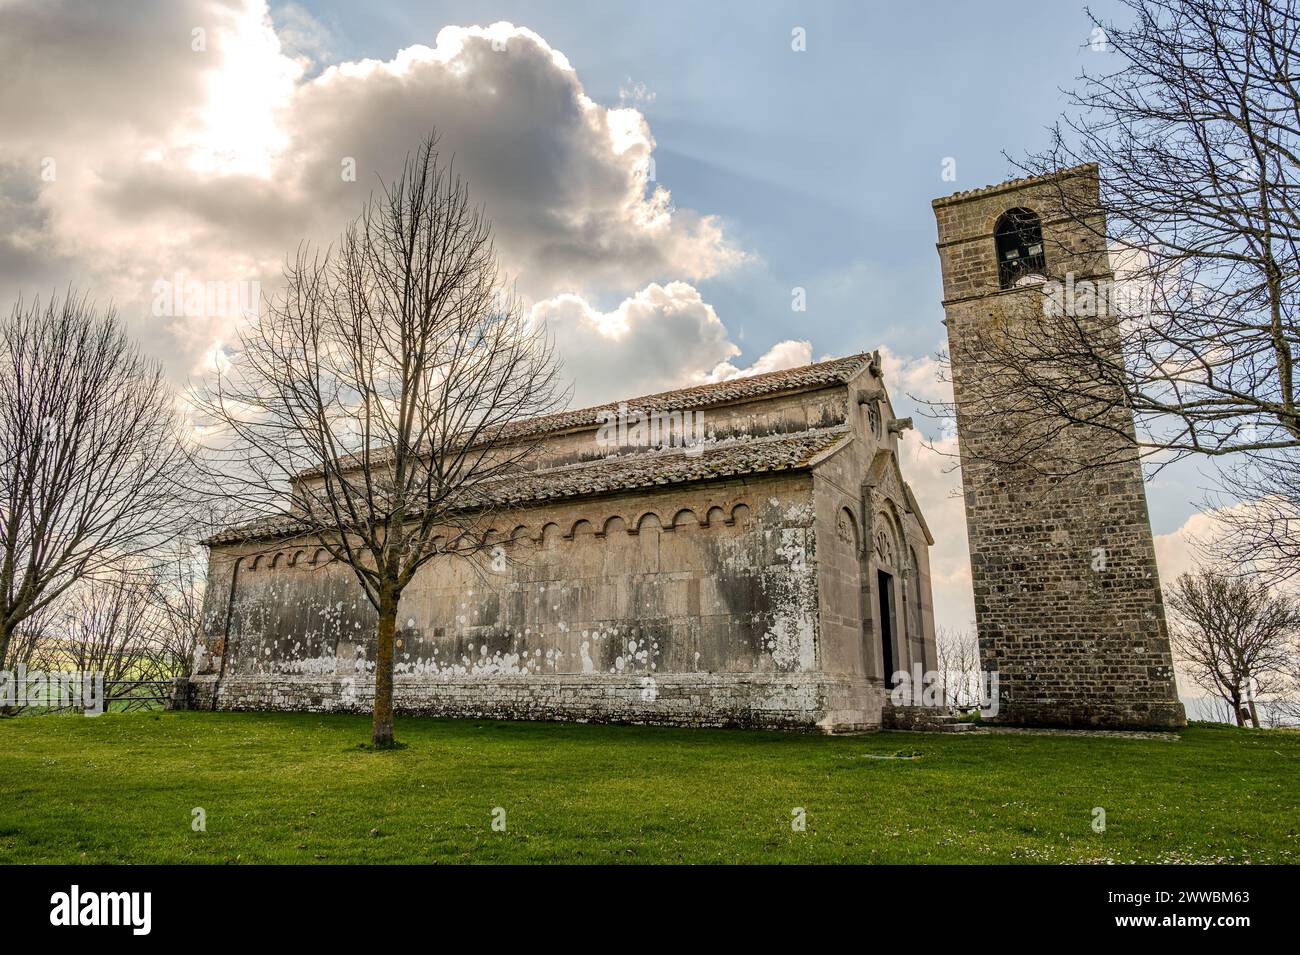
(1018, 238)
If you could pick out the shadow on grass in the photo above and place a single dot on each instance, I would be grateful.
(372, 748)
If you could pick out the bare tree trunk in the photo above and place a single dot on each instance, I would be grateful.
(7, 631)
(383, 391)
(382, 728)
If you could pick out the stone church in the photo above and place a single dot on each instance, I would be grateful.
(770, 571)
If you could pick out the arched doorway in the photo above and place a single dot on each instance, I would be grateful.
(887, 616)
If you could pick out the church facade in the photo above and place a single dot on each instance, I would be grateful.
(760, 562)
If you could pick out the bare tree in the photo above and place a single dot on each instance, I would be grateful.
(31, 639)
(179, 582)
(1233, 636)
(959, 665)
(1284, 709)
(1259, 508)
(1193, 116)
(382, 387)
(30, 648)
(88, 454)
(113, 627)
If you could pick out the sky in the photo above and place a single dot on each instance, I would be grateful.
(662, 176)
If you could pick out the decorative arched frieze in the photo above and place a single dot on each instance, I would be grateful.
(580, 526)
(650, 520)
(684, 518)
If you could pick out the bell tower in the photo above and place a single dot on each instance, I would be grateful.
(1067, 594)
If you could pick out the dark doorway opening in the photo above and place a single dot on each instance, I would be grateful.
(885, 587)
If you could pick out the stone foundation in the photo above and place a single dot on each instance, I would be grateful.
(1138, 715)
(807, 702)
(921, 719)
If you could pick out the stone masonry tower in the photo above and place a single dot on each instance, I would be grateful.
(1067, 595)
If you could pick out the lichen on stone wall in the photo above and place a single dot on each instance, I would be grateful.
(727, 585)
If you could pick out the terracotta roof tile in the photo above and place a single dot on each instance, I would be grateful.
(830, 372)
(621, 473)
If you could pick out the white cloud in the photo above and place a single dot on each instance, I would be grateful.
(931, 469)
(302, 36)
(635, 93)
(918, 377)
(217, 162)
(1176, 551)
(786, 354)
(1191, 547)
(662, 337)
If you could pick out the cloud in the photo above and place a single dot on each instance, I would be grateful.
(930, 467)
(1191, 547)
(564, 179)
(918, 377)
(635, 92)
(214, 153)
(120, 125)
(662, 337)
(786, 354)
(302, 36)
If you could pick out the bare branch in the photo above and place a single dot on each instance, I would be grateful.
(372, 406)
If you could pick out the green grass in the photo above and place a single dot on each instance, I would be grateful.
(298, 788)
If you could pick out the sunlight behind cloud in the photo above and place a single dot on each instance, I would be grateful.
(238, 128)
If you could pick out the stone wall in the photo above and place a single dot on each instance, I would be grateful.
(694, 605)
(794, 701)
(1067, 594)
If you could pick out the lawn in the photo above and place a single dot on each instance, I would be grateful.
(297, 788)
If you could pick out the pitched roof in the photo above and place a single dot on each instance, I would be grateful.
(649, 468)
(830, 372)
